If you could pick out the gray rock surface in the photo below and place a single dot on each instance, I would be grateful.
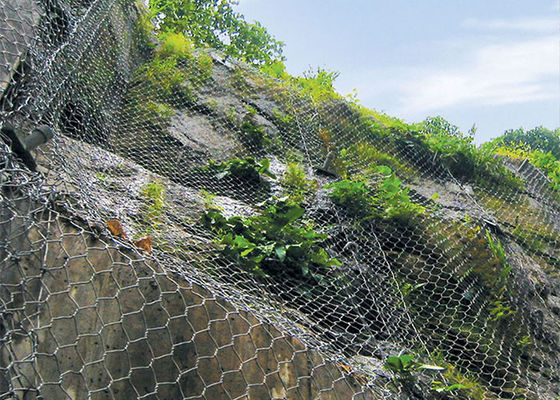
(17, 33)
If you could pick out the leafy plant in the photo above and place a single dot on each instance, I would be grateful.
(204, 66)
(153, 194)
(459, 154)
(354, 195)
(247, 169)
(405, 364)
(365, 158)
(163, 76)
(464, 385)
(539, 138)
(524, 342)
(498, 251)
(547, 162)
(144, 29)
(394, 198)
(299, 187)
(500, 311)
(174, 45)
(275, 242)
(318, 84)
(214, 23)
(387, 199)
(276, 69)
(253, 134)
(408, 288)
(440, 126)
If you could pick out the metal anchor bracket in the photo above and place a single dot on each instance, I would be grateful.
(22, 148)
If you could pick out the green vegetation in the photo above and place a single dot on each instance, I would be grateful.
(539, 138)
(247, 169)
(316, 84)
(365, 157)
(405, 366)
(144, 29)
(153, 195)
(297, 184)
(213, 23)
(387, 198)
(464, 385)
(173, 71)
(174, 46)
(452, 380)
(278, 241)
(500, 311)
(162, 74)
(371, 154)
(252, 134)
(499, 252)
(547, 162)
(354, 195)
(463, 159)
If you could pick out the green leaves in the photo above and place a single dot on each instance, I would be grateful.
(280, 252)
(441, 387)
(400, 364)
(213, 23)
(404, 365)
(389, 199)
(354, 195)
(275, 242)
(248, 169)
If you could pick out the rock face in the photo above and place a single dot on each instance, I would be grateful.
(467, 280)
(17, 33)
(87, 316)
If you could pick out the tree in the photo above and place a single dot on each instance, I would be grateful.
(214, 23)
(539, 138)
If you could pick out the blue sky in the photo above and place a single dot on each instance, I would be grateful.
(495, 63)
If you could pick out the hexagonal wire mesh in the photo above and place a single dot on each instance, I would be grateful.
(165, 149)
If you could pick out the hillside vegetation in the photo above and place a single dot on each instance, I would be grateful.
(428, 265)
(214, 227)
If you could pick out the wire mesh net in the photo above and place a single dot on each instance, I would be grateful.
(192, 232)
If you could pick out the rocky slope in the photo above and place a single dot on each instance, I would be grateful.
(452, 263)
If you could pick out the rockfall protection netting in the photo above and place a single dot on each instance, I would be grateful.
(466, 280)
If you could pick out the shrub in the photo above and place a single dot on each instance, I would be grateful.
(387, 198)
(276, 242)
(539, 138)
(463, 159)
(246, 169)
(175, 46)
(204, 66)
(155, 114)
(354, 195)
(161, 76)
(547, 162)
(214, 23)
(299, 187)
(393, 197)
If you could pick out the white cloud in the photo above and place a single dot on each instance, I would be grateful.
(496, 74)
(245, 2)
(542, 25)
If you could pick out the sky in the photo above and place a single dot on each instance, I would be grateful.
(493, 63)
